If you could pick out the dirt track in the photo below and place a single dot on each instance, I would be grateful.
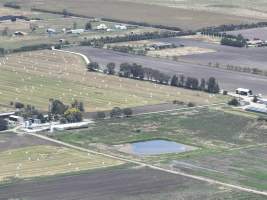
(228, 80)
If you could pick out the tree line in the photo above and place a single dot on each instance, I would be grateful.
(231, 27)
(235, 41)
(131, 37)
(137, 71)
(66, 13)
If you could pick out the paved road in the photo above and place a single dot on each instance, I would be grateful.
(228, 80)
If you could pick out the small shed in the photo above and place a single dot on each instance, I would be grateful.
(244, 91)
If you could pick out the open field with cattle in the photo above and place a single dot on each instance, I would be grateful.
(121, 184)
(229, 80)
(152, 12)
(35, 77)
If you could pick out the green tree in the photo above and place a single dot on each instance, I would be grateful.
(213, 86)
(116, 112)
(202, 84)
(73, 115)
(88, 26)
(93, 66)
(78, 105)
(111, 68)
(127, 112)
(174, 81)
(57, 107)
(233, 102)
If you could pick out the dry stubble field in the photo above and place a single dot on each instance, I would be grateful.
(184, 16)
(34, 77)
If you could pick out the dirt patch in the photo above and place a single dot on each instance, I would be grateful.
(180, 51)
(10, 141)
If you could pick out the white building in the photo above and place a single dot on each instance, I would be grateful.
(255, 43)
(244, 91)
(51, 31)
(78, 125)
(76, 31)
(121, 27)
(102, 27)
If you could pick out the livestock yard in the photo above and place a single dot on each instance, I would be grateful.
(51, 74)
(154, 11)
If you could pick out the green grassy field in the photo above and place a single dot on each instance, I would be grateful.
(231, 145)
(245, 166)
(34, 77)
(39, 161)
(203, 128)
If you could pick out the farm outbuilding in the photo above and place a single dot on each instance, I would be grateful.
(6, 114)
(75, 31)
(102, 27)
(244, 91)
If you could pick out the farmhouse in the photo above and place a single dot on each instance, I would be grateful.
(70, 126)
(19, 33)
(75, 31)
(6, 114)
(263, 101)
(121, 27)
(255, 43)
(51, 31)
(259, 108)
(101, 27)
(16, 119)
(243, 91)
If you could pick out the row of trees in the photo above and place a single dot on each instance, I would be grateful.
(235, 41)
(116, 112)
(137, 71)
(12, 5)
(211, 85)
(231, 27)
(131, 37)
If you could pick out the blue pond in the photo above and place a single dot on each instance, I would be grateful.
(155, 147)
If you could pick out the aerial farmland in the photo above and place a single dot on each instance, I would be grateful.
(133, 100)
